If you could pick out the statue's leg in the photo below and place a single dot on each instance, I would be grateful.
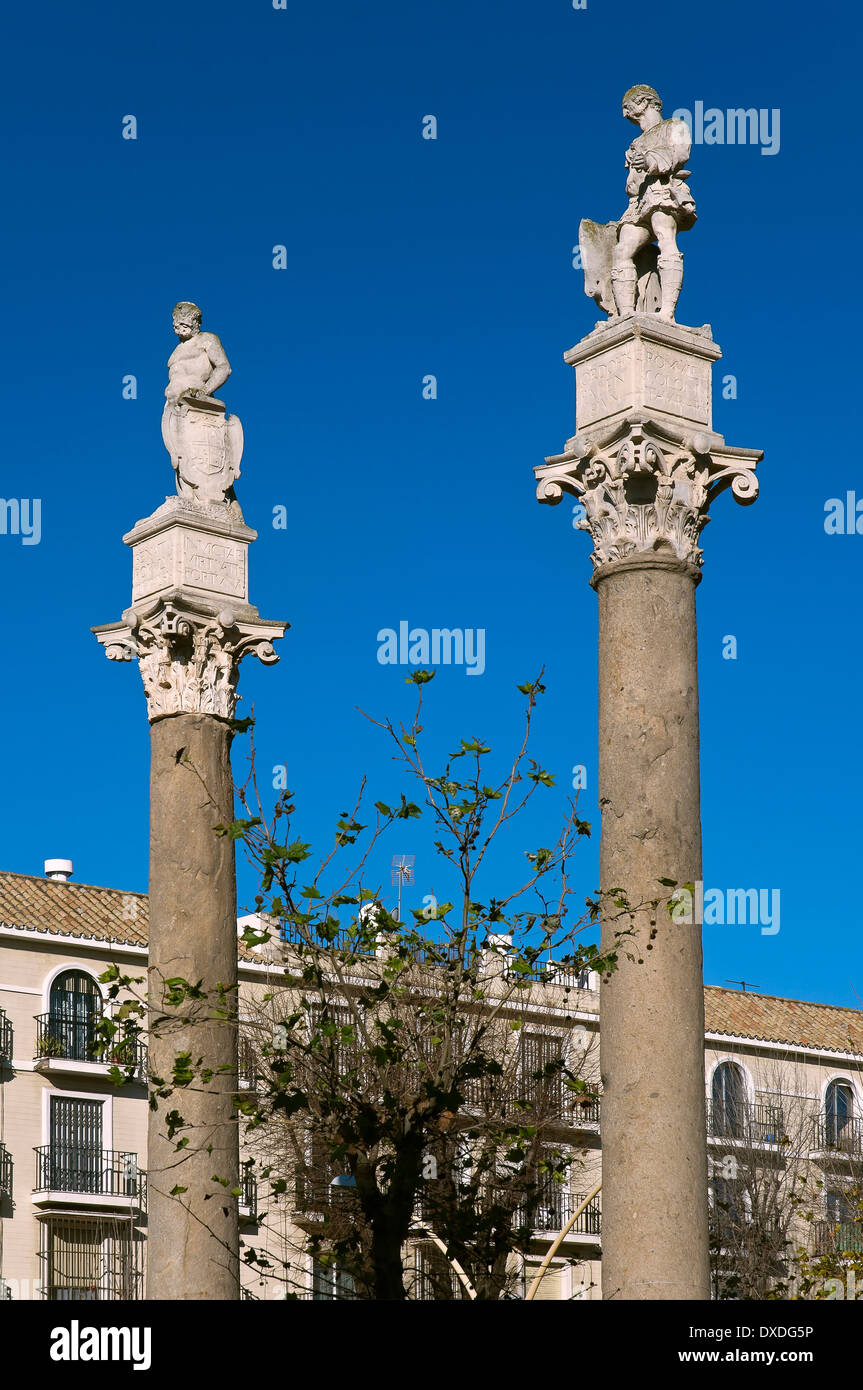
(669, 264)
(630, 239)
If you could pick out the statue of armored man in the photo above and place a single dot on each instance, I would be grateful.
(633, 265)
(205, 444)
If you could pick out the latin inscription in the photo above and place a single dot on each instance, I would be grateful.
(152, 566)
(214, 564)
(676, 384)
(603, 386)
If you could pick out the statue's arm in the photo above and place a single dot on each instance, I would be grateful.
(672, 153)
(221, 367)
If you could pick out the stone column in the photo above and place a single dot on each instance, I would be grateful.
(646, 464)
(189, 626)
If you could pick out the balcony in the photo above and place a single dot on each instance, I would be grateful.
(79, 1048)
(248, 1200)
(5, 1173)
(80, 1176)
(748, 1124)
(837, 1136)
(582, 1110)
(554, 1099)
(5, 1040)
(553, 1209)
(342, 939)
(837, 1237)
(556, 1207)
(247, 1068)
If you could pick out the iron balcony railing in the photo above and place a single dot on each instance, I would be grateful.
(5, 1291)
(840, 1135)
(837, 1237)
(5, 1039)
(342, 940)
(247, 1067)
(87, 1169)
(552, 1097)
(81, 1040)
(584, 1111)
(249, 1195)
(5, 1172)
(757, 1124)
(548, 972)
(556, 1207)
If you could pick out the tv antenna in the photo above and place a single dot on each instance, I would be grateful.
(402, 871)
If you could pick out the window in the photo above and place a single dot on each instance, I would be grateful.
(5, 1173)
(552, 1209)
(318, 1178)
(730, 1209)
(86, 1260)
(838, 1207)
(329, 1282)
(434, 1277)
(839, 1113)
(334, 1051)
(74, 1010)
(541, 1066)
(728, 1095)
(73, 1160)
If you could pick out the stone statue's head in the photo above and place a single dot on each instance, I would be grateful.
(187, 319)
(637, 100)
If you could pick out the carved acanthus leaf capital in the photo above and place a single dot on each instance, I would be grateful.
(189, 660)
(646, 487)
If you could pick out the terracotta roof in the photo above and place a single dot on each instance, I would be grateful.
(84, 910)
(80, 910)
(73, 909)
(767, 1018)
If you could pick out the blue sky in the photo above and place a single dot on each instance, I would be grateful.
(408, 257)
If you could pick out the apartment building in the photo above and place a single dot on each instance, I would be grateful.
(783, 1078)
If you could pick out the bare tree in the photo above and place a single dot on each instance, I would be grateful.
(395, 1092)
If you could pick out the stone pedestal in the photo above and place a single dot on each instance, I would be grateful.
(189, 626)
(646, 465)
(191, 622)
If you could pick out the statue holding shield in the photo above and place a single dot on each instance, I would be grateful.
(205, 444)
(634, 265)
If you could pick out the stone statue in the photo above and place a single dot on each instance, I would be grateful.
(205, 444)
(634, 264)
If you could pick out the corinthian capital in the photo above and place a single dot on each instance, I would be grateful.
(189, 659)
(646, 486)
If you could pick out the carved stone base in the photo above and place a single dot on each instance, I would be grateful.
(645, 463)
(643, 362)
(191, 623)
(191, 545)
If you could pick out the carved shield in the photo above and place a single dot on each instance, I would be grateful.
(205, 448)
(596, 242)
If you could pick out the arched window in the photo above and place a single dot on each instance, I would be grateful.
(74, 1008)
(839, 1112)
(728, 1111)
